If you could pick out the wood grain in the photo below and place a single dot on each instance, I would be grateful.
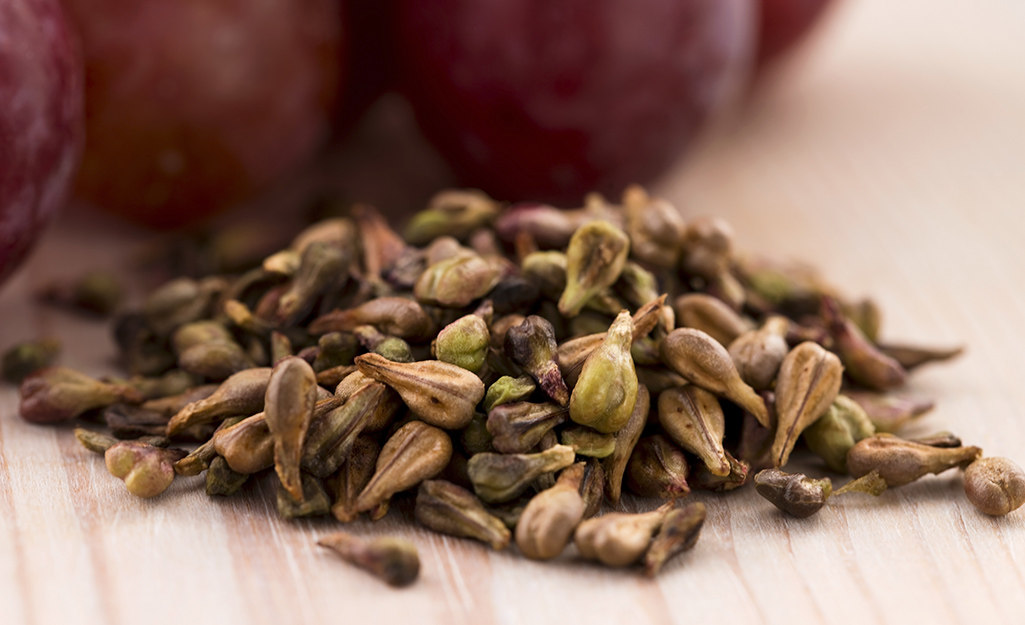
(890, 155)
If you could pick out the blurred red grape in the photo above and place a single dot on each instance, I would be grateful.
(784, 23)
(550, 99)
(40, 121)
(192, 105)
(369, 50)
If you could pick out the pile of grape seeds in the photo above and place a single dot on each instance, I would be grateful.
(513, 369)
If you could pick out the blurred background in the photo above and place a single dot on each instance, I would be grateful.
(764, 111)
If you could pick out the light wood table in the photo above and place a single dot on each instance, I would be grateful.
(891, 155)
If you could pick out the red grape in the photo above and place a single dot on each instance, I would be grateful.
(784, 23)
(550, 99)
(40, 121)
(193, 105)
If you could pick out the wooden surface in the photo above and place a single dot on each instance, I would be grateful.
(890, 155)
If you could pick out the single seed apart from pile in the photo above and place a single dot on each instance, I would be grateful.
(794, 493)
(995, 486)
(393, 560)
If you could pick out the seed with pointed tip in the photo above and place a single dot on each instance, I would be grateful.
(288, 408)
(809, 380)
(759, 353)
(655, 226)
(594, 260)
(450, 509)
(573, 353)
(703, 361)
(911, 357)
(502, 477)
(862, 360)
(146, 470)
(414, 453)
(617, 538)
(996, 486)
(60, 394)
(464, 343)
(242, 393)
(707, 247)
(531, 345)
(711, 316)
(657, 468)
(547, 523)
(693, 418)
(605, 393)
(439, 393)
(391, 559)
(335, 426)
(396, 316)
(518, 427)
(794, 493)
(679, 532)
(626, 440)
(901, 462)
(322, 266)
(457, 281)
